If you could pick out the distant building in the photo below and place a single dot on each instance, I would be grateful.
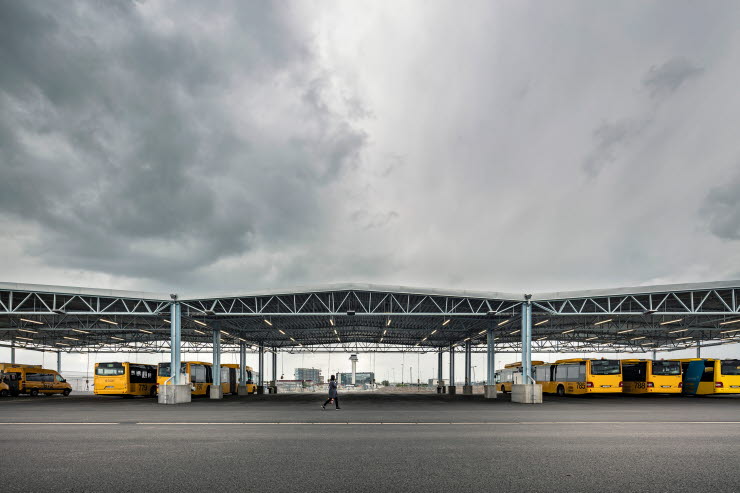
(313, 374)
(360, 378)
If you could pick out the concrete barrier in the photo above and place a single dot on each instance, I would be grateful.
(174, 394)
(467, 390)
(242, 390)
(452, 389)
(526, 393)
(216, 392)
(490, 392)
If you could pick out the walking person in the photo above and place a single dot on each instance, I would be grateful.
(332, 393)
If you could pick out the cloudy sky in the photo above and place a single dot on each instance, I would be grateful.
(511, 145)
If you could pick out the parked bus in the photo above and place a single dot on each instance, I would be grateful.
(710, 376)
(199, 374)
(645, 376)
(230, 379)
(580, 376)
(4, 387)
(511, 374)
(125, 379)
(34, 380)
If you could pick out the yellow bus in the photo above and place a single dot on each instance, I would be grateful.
(230, 379)
(4, 387)
(511, 374)
(34, 380)
(710, 376)
(199, 374)
(125, 379)
(580, 376)
(645, 376)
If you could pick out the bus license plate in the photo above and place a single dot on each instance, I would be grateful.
(605, 386)
(666, 386)
(735, 386)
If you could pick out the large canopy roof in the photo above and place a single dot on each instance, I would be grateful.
(367, 317)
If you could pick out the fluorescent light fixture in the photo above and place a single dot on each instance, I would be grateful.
(146, 331)
(649, 311)
(108, 321)
(281, 331)
(268, 322)
(292, 339)
(433, 332)
(200, 323)
(568, 331)
(71, 338)
(637, 338)
(335, 332)
(541, 338)
(167, 321)
(29, 331)
(604, 321)
(445, 322)
(387, 331)
(80, 331)
(729, 331)
(388, 323)
(225, 333)
(512, 333)
(683, 338)
(117, 338)
(479, 333)
(730, 322)
(592, 338)
(381, 340)
(542, 322)
(32, 321)
(331, 321)
(671, 321)
(625, 331)
(466, 339)
(424, 339)
(647, 343)
(26, 338)
(504, 322)
(199, 332)
(61, 344)
(495, 338)
(679, 330)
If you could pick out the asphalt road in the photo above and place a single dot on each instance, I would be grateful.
(441, 444)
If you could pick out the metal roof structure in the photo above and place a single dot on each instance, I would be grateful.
(367, 317)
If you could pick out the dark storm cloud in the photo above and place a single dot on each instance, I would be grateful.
(610, 138)
(722, 210)
(145, 143)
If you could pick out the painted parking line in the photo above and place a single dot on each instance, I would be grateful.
(57, 423)
(373, 423)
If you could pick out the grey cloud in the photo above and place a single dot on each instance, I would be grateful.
(610, 139)
(666, 78)
(146, 152)
(375, 220)
(721, 209)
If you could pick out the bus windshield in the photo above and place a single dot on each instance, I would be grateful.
(605, 367)
(731, 367)
(666, 368)
(164, 369)
(110, 369)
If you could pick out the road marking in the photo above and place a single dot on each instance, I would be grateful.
(381, 423)
(54, 424)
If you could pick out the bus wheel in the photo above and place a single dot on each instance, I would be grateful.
(503, 389)
(208, 392)
(4, 393)
(66, 392)
(153, 392)
(34, 392)
(561, 390)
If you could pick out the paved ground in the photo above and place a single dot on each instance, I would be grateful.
(376, 442)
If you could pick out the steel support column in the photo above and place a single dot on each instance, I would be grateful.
(452, 368)
(216, 358)
(698, 349)
(261, 369)
(440, 374)
(274, 370)
(59, 362)
(12, 351)
(491, 358)
(175, 336)
(526, 340)
(468, 364)
(242, 363)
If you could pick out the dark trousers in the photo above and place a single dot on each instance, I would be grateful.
(336, 400)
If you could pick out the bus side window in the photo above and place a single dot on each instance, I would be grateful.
(208, 374)
(708, 375)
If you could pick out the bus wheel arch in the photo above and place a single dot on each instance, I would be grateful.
(66, 392)
(503, 389)
(34, 392)
(561, 390)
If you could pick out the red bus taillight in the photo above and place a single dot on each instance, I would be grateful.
(680, 385)
(718, 385)
(589, 385)
(650, 385)
(621, 384)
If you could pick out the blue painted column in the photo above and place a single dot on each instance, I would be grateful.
(12, 350)
(440, 374)
(261, 368)
(216, 358)
(242, 363)
(491, 358)
(175, 336)
(468, 363)
(452, 366)
(59, 362)
(526, 339)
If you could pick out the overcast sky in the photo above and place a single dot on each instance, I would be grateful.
(513, 146)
